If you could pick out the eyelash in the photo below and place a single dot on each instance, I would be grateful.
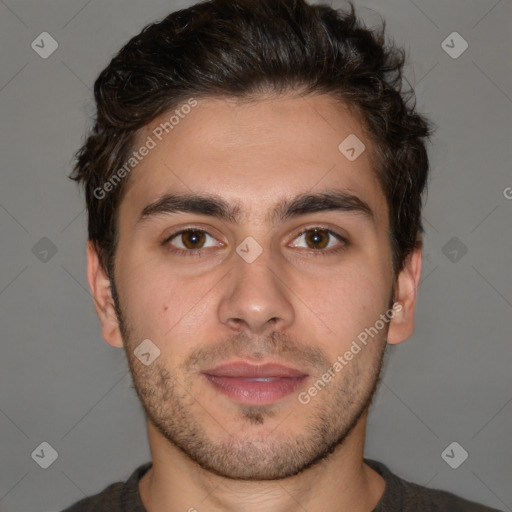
(313, 252)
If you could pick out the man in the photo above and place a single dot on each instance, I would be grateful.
(254, 184)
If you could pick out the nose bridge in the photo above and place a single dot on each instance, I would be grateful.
(256, 296)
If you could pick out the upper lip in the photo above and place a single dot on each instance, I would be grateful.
(246, 370)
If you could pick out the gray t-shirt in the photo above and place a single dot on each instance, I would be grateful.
(399, 496)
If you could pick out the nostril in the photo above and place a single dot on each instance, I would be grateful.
(237, 322)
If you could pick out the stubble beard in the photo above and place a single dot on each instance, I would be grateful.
(185, 422)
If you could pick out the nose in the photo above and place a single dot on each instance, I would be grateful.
(256, 297)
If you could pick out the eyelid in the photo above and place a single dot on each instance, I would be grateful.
(324, 228)
(185, 229)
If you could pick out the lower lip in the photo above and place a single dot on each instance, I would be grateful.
(256, 392)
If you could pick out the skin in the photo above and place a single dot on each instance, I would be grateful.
(290, 305)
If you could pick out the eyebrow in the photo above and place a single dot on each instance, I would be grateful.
(215, 206)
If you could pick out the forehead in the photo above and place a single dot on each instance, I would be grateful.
(254, 153)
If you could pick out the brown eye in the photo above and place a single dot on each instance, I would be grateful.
(191, 239)
(318, 239)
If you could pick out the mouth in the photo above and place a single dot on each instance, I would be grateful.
(255, 384)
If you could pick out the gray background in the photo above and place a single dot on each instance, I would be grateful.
(62, 384)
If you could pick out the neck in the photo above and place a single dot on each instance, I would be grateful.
(340, 482)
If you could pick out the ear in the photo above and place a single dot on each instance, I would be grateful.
(99, 284)
(402, 324)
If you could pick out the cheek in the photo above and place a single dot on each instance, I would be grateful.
(161, 304)
(346, 302)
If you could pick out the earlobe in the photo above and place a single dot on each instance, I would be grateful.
(99, 284)
(402, 324)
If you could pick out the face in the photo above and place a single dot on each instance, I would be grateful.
(254, 255)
